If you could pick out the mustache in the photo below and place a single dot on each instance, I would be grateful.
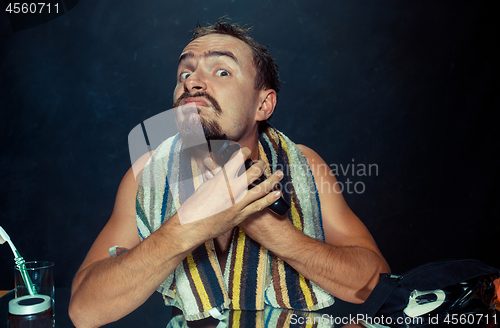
(203, 94)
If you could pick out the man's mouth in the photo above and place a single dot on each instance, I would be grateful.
(198, 101)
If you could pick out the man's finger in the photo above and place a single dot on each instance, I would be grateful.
(211, 168)
(255, 171)
(261, 203)
(263, 188)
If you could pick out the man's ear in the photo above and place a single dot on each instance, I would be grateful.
(268, 101)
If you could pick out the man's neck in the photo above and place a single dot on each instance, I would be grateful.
(252, 143)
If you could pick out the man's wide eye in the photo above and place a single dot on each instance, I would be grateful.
(222, 72)
(185, 75)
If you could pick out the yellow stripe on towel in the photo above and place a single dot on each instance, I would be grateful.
(238, 268)
(306, 291)
(263, 156)
(236, 319)
(197, 180)
(284, 289)
(295, 216)
(261, 270)
(198, 283)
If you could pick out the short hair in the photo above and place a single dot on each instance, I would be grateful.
(267, 76)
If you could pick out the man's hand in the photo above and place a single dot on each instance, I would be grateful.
(224, 201)
(268, 228)
(222, 188)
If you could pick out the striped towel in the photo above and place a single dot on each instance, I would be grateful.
(253, 275)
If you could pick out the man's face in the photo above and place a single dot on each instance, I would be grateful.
(216, 72)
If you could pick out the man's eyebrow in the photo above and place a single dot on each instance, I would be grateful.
(221, 53)
(212, 53)
(185, 56)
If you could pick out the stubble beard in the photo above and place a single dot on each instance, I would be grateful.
(211, 128)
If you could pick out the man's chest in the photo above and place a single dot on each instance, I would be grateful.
(222, 246)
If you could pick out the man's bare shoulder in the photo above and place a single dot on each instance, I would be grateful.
(308, 152)
(318, 166)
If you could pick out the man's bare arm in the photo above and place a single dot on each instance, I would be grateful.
(347, 265)
(106, 289)
(347, 272)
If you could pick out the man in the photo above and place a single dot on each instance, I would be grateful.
(233, 82)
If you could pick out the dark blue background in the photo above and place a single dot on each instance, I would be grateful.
(407, 85)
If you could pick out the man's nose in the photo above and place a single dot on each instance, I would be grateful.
(195, 82)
